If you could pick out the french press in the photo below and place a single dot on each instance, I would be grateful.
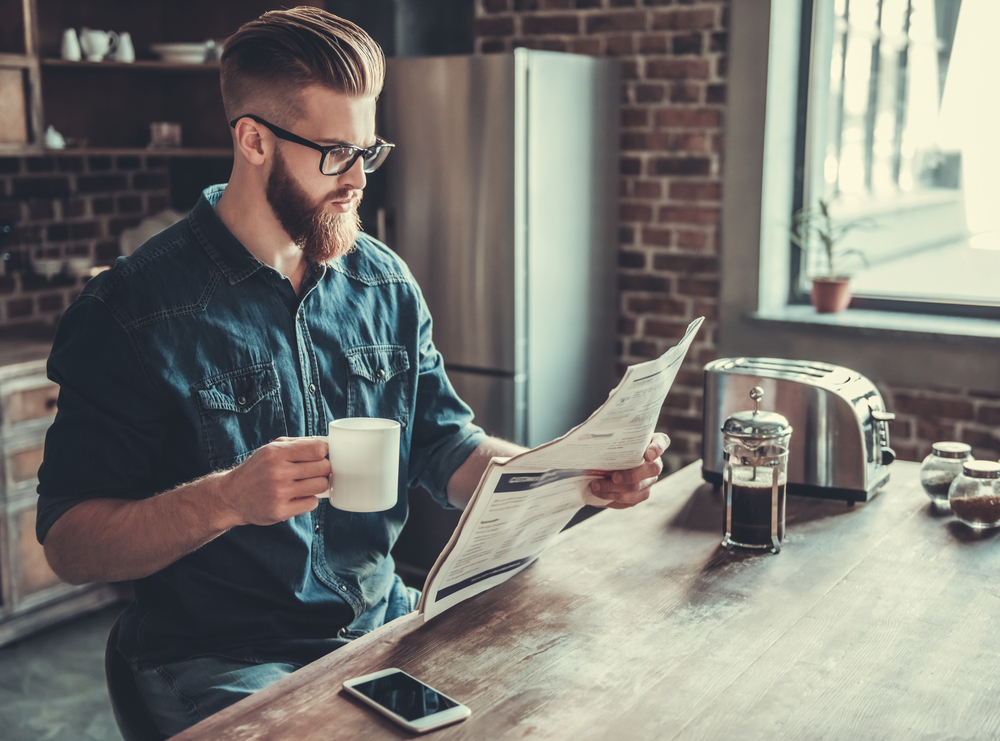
(755, 470)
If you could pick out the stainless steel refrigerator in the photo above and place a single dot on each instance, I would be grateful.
(501, 195)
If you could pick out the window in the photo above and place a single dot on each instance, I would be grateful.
(900, 125)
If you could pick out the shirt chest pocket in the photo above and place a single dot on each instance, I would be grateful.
(378, 382)
(240, 411)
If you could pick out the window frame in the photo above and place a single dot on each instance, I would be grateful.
(756, 314)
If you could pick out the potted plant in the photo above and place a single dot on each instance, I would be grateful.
(818, 235)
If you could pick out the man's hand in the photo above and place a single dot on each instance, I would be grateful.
(627, 488)
(277, 482)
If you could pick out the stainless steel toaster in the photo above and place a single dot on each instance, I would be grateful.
(840, 426)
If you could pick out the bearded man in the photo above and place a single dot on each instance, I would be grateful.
(198, 374)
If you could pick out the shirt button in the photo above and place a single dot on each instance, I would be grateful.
(312, 388)
(380, 374)
(241, 400)
(316, 528)
(343, 588)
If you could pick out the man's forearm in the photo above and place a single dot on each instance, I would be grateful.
(104, 540)
(462, 484)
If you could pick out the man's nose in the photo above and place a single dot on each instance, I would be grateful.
(355, 177)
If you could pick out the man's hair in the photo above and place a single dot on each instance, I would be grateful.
(270, 60)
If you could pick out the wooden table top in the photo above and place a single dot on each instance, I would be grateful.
(878, 621)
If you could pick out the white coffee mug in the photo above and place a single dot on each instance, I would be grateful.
(364, 458)
(125, 51)
(97, 44)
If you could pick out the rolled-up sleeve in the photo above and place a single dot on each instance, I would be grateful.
(444, 434)
(107, 436)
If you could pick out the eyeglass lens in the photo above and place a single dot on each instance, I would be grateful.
(341, 159)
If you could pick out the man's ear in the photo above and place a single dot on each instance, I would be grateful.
(250, 142)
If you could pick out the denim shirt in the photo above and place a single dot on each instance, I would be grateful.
(189, 355)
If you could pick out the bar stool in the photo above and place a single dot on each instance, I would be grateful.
(133, 720)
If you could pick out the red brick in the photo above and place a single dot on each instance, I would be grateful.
(677, 69)
(545, 24)
(642, 349)
(707, 310)
(648, 283)
(719, 42)
(899, 428)
(42, 187)
(527, 4)
(648, 189)
(697, 287)
(496, 6)
(618, 46)
(20, 307)
(557, 4)
(689, 215)
(622, 3)
(627, 326)
(689, 117)
(981, 440)
(690, 143)
(631, 259)
(650, 93)
(686, 92)
(988, 415)
(499, 26)
(715, 94)
(635, 212)
(646, 141)
(669, 330)
(685, 20)
(492, 47)
(588, 46)
(630, 70)
(635, 117)
(657, 237)
(626, 235)
(630, 166)
(935, 430)
(689, 43)
(680, 166)
(690, 377)
(661, 306)
(684, 191)
(957, 409)
(555, 45)
(620, 21)
(686, 263)
(653, 43)
(679, 422)
(679, 400)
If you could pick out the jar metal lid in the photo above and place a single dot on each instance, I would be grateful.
(757, 425)
(981, 470)
(951, 450)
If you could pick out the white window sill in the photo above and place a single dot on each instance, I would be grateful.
(886, 324)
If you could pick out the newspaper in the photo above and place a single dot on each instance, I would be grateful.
(523, 502)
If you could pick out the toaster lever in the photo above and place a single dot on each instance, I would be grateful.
(880, 416)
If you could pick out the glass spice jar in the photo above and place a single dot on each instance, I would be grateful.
(941, 467)
(975, 494)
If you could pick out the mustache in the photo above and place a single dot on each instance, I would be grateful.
(344, 193)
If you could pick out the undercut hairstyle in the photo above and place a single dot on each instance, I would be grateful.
(269, 61)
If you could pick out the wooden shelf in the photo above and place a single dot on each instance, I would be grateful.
(139, 64)
(16, 60)
(31, 150)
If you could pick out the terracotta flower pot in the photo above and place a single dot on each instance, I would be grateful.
(830, 295)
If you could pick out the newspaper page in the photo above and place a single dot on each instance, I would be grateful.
(523, 502)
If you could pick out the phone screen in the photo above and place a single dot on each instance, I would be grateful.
(405, 696)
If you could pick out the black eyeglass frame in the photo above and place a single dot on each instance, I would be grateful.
(375, 150)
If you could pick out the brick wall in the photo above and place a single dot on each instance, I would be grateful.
(673, 104)
(69, 206)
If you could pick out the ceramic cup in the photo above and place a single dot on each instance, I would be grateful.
(125, 51)
(97, 44)
(364, 458)
(70, 48)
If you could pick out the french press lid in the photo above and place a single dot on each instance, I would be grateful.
(757, 425)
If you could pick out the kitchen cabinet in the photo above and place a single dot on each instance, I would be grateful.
(106, 107)
(32, 597)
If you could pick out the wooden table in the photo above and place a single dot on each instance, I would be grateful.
(879, 621)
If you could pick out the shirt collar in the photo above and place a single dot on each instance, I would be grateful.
(233, 259)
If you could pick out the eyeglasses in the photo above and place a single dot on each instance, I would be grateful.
(337, 158)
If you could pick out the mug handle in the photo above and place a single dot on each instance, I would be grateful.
(112, 43)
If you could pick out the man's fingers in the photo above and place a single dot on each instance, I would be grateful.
(657, 446)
